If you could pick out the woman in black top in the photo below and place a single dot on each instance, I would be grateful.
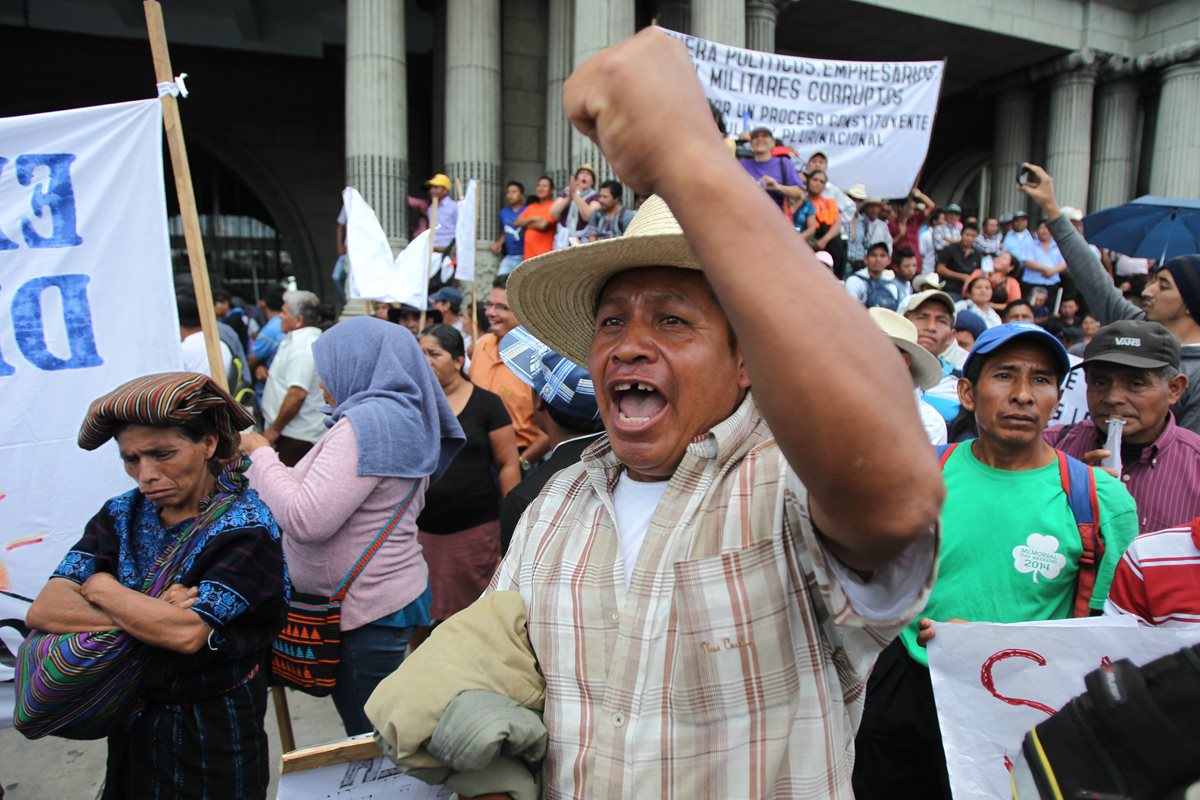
(459, 528)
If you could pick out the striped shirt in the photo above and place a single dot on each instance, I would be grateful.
(1158, 580)
(1164, 481)
(734, 666)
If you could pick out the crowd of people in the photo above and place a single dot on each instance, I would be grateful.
(718, 485)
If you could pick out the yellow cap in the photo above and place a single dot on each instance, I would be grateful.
(439, 180)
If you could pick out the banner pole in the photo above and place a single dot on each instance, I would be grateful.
(183, 188)
(428, 261)
(475, 278)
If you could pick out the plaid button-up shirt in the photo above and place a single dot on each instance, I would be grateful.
(735, 665)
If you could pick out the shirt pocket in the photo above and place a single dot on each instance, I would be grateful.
(733, 651)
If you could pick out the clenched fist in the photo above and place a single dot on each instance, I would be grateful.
(641, 102)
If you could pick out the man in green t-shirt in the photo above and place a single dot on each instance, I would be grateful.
(1010, 550)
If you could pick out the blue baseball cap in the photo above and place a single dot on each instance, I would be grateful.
(449, 294)
(995, 338)
(563, 384)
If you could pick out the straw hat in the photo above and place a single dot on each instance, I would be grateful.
(555, 295)
(926, 370)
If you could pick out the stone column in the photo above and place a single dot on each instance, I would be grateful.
(1069, 138)
(721, 21)
(1113, 140)
(473, 104)
(559, 30)
(1176, 168)
(1013, 140)
(597, 25)
(377, 111)
(761, 16)
(675, 15)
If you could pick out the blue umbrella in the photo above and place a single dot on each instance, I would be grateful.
(1148, 227)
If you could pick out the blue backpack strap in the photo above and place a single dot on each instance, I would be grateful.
(1079, 483)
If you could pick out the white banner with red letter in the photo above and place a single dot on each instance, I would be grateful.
(872, 119)
(993, 683)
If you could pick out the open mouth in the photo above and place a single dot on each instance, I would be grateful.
(637, 403)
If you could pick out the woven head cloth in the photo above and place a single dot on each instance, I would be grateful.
(166, 399)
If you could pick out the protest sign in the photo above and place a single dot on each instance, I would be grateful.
(86, 303)
(992, 683)
(464, 235)
(351, 769)
(1072, 406)
(374, 273)
(873, 120)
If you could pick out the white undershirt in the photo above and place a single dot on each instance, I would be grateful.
(634, 503)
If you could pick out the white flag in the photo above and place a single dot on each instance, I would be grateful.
(464, 235)
(374, 274)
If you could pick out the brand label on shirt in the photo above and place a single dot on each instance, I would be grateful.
(1039, 554)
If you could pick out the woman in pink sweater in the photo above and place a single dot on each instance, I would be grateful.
(390, 427)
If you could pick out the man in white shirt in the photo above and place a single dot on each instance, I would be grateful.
(293, 398)
(195, 355)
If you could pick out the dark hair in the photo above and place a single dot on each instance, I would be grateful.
(974, 281)
(327, 316)
(902, 253)
(547, 178)
(971, 226)
(273, 298)
(188, 308)
(937, 212)
(517, 184)
(1018, 302)
(614, 188)
(311, 315)
(448, 338)
(718, 117)
(501, 282)
(820, 172)
(220, 295)
(574, 424)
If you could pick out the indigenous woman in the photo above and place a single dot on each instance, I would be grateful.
(203, 695)
(820, 222)
(460, 525)
(391, 434)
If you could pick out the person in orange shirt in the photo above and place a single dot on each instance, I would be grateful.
(538, 224)
(489, 372)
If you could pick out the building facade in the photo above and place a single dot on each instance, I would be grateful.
(292, 100)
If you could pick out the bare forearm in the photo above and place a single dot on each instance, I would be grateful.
(509, 476)
(810, 322)
(60, 608)
(559, 206)
(293, 401)
(153, 621)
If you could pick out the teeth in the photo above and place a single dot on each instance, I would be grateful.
(643, 387)
(633, 420)
(621, 387)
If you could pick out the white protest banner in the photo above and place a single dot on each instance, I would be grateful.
(992, 683)
(86, 303)
(464, 235)
(374, 273)
(1072, 406)
(872, 119)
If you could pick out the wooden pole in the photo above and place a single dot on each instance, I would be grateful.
(428, 261)
(195, 248)
(183, 188)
